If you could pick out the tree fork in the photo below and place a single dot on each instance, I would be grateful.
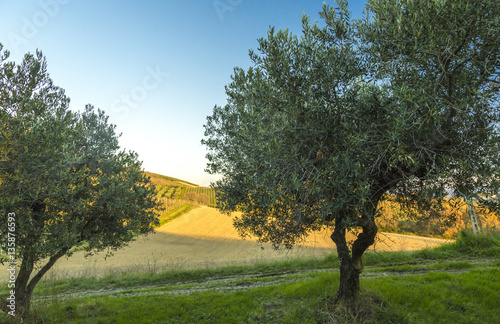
(367, 237)
(364, 240)
(349, 276)
(351, 264)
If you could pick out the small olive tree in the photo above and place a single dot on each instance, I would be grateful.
(64, 182)
(403, 101)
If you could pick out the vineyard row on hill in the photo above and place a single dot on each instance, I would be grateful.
(201, 195)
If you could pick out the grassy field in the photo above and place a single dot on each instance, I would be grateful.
(205, 238)
(454, 283)
(146, 283)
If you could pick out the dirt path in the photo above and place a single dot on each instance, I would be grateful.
(238, 282)
(204, 238)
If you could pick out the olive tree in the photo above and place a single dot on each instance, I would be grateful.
(64, 182)
(323, 126)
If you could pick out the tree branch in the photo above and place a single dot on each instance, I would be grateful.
(36, 278)
(493, 81)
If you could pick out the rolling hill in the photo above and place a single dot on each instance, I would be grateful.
(175, 189)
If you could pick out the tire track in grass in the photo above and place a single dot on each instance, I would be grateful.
(239, 282)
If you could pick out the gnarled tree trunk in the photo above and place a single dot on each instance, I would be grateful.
(349, 275)
(24, 286)
(351, 264)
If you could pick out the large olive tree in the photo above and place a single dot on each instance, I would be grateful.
(322, 126)
(64, 183)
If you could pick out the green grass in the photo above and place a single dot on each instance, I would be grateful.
(465, 246)
(455, 283)
(478, 244)
(436, 297)
(127, 280)
(285, 303)
(175, 213)
(180, 194)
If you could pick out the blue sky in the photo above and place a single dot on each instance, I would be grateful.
(157, 68)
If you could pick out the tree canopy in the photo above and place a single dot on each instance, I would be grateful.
(64, 182)
(322, 126)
